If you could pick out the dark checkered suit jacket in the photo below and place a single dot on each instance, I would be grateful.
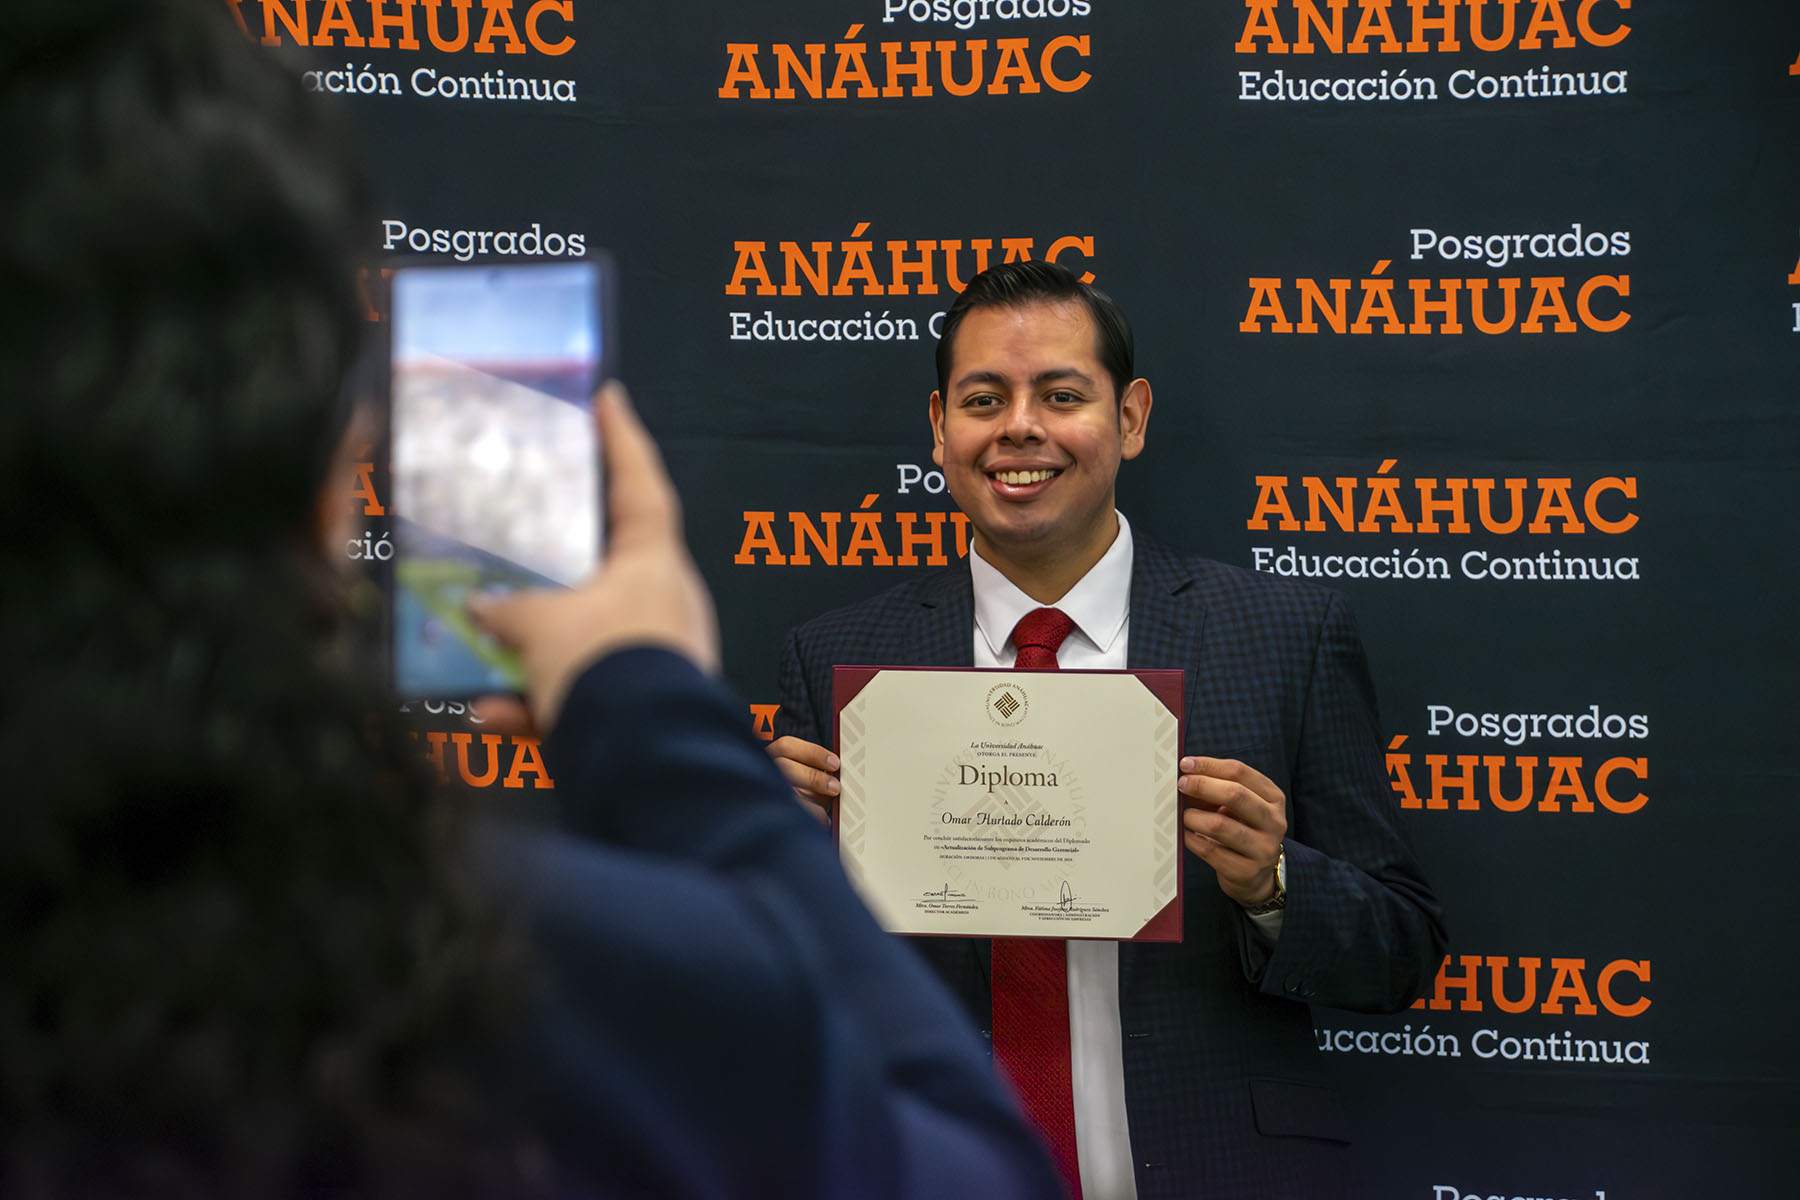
(1226, 1094)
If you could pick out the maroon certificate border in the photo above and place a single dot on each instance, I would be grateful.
(1167, 685)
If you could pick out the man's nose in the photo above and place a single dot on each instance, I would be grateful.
(1021, 423)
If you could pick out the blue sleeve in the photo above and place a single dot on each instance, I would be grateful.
(708, 979)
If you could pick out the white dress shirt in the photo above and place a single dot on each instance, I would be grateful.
(1100, 606)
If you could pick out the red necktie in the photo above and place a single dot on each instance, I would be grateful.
(1031, 975)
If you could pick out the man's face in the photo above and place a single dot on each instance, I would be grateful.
(1030, 434)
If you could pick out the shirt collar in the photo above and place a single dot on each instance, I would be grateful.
(1098, 603)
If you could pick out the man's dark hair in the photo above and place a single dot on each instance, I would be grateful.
(1016, 284)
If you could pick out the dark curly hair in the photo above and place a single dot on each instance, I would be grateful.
(238, 952)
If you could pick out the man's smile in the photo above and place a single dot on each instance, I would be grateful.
(1024, 477)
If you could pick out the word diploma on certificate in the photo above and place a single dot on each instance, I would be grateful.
(1012, 803)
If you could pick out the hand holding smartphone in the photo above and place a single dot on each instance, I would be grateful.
(495, 465)
(647, 594)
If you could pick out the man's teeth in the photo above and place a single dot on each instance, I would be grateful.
(1019, 477)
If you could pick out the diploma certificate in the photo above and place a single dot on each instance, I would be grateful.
(1012, 803)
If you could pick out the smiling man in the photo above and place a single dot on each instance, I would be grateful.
(1030, 426)
(1190, 1068)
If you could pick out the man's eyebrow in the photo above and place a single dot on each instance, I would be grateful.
(1053, 375)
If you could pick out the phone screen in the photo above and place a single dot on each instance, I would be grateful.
(495, 480)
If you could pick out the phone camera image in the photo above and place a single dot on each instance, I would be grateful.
(495, 471)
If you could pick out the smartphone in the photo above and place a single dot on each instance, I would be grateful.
(495, 480)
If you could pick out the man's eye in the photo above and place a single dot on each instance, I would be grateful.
(1065, 398)
(980, 401)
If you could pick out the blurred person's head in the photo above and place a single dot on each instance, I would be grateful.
(181, 224)
(234, 943)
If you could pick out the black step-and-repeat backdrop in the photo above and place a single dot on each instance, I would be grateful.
(1483, 311)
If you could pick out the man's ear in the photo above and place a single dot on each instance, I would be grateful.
(1134, 417)
(937, 429)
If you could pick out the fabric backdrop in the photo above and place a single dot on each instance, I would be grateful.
(1484, 312)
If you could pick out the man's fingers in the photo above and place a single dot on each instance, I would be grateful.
(1226, 832)
(809, 768)
(1236, 791)
(1230, 866)
(803, 778)
(1243, 878)
(1202, 846)
(807, 753)
(1231, 770)
(1235, 801)
(641, 505)
(1235, 825)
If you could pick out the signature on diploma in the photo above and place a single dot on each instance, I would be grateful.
(945, 894)
(1066, 900)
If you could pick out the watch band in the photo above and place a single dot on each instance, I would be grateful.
(1278, 901)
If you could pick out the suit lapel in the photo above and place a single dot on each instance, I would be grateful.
(1167, 619)
(1167, 614)
(942, 633)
